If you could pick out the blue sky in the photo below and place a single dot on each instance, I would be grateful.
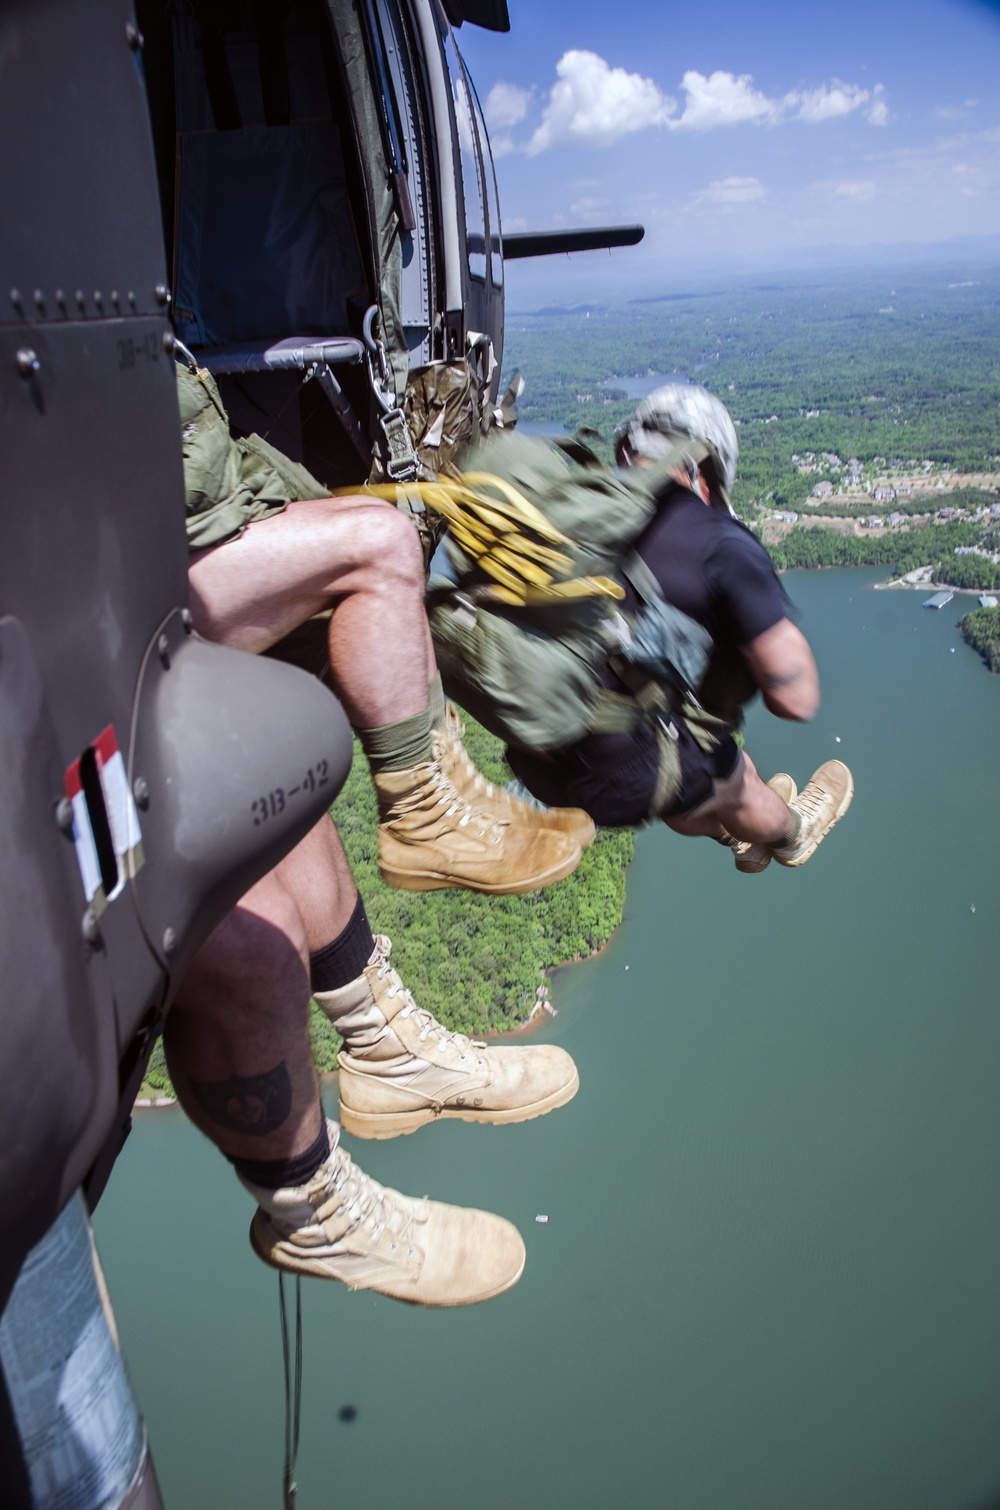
(736, 132)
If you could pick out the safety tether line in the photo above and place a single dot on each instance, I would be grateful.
(292, 1356)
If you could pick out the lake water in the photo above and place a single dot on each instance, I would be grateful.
(540, 427)
(769, 1276)
(639, 387)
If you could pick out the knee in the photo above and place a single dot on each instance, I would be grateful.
(394, 544)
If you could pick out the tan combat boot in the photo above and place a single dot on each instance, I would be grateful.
(342, 1225)
(751, 859)
(400, 1069)
(430, 836)
(822, 802)
(472, 784)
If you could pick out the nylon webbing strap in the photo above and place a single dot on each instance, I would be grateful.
(668, 775)
(635, 570)
(614, 713)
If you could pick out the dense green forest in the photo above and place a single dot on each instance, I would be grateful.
(981, 630)
(902, 367)
(474, 961)
(933, 545)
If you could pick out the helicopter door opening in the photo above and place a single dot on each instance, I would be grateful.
(264, 199)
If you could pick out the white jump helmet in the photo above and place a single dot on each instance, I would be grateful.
(679, 411)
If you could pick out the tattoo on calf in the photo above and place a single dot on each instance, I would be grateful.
(254, 1105)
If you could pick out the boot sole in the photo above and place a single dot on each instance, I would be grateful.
(752, 870)
(380, 1125)
(844, 804)
(288, 1264)
(433, 880)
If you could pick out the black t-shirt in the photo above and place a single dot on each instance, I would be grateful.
(709, 565)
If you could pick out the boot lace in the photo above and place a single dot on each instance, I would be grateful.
(811, 800)
(486, 824)
(456, 1043)
(348, 1192)
(451, 752)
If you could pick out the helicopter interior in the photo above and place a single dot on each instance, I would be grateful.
(264, 217)
(302, 182)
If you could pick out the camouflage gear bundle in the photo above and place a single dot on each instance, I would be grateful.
(526, 630)
(228, 483)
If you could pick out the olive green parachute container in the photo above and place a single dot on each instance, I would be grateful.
(532, 673)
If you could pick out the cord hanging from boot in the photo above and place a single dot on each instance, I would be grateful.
(293, 1389)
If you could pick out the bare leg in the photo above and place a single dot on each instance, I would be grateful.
(358, 556)
(317, 877)
(237, 1038)
(744, 806)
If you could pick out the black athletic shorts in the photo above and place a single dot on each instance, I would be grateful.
(613, 776)
(700, 770)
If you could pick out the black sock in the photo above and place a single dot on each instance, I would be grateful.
(273, 1174)
(339, 963)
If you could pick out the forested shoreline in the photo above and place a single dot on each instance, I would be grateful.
(981, 630)
(475, 961)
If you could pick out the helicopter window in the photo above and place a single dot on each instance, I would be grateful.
(472, 172)
(496, 243)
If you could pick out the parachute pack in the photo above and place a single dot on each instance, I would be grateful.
(528, 617)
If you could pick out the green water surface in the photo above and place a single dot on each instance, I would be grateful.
(769, 1278)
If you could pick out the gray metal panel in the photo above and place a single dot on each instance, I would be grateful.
(294, 353)
(93, 562)
(58, 1053)
(416, 295)
(73, 123)
(430, 23)
(241, 755)
(491, 14)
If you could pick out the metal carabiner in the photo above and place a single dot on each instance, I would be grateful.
(398, 456)
(375, 349)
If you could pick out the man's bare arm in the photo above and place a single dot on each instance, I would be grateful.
(784, 670)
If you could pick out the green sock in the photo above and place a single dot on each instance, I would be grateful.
(398, 747)
(794, 831)
(435, 694)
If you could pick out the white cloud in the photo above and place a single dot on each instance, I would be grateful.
(856, 190)
(592, 104)
(723, 99)
(729, 99)
(955, 112)
(829, 101)
(502, 146)
(726, 192)
(506, 106)
(878, 115)
(595, 105)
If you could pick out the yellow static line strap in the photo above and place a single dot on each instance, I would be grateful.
(496, 533)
